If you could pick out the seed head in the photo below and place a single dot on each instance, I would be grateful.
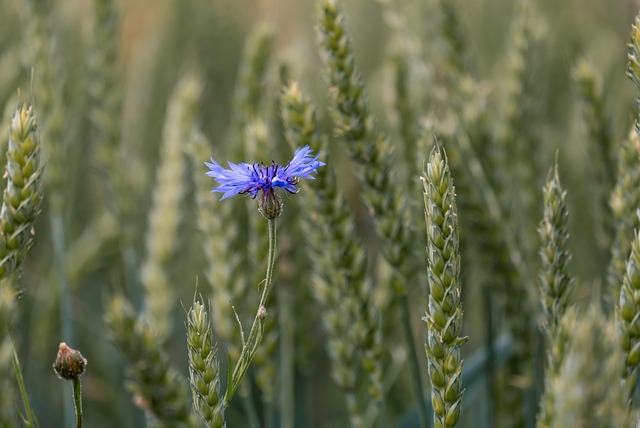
(69, 363)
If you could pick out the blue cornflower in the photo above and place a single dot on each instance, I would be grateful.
(254, 178)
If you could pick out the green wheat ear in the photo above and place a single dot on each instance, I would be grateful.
(340, 285)
(628, 302)
(556, 285)
(624, 200)
(22, 198)
(628, 312)
(444, 311)
(356, 127)
(204, 368)
(23, 193)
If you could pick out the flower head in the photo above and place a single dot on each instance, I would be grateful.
(254, 178)
(69, 363)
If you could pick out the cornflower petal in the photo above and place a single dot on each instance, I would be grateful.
(238, 179)
(254, 178)
(303, 164)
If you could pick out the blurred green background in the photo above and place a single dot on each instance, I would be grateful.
(159, 40)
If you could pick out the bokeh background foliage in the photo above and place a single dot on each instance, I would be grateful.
(511, 77)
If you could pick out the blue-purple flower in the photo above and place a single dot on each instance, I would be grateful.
(254, 178)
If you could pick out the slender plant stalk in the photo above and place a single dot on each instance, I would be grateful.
(252, 342)
(258, 143)
(29, 417)
(77, 401)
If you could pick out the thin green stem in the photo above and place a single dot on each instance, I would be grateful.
(423, 411)
(250, 347)
(77, 400)
(29, 420)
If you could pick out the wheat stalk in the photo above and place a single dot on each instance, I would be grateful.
(556, 285)
(444, 310)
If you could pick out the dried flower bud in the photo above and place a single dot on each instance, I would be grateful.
(69, 363)
(262, 312)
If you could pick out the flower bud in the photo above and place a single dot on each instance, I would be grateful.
(270, 205)
(262, 312)
(69, 363)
